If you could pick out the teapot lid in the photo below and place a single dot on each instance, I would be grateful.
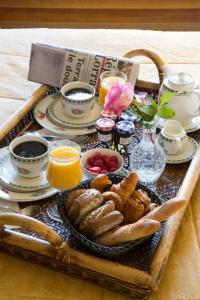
(181, 81)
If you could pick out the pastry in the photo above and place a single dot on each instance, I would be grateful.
(71, 196)
(115, 198)
(150, 207)
(83, 205)
(126, 187)
(101, 183)
(101, 220)
(164, 211)
(133, 211)
(126, 233)
(142, 196)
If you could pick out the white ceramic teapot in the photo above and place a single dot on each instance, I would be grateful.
(186, 102)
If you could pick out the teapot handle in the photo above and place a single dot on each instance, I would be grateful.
(197, 92)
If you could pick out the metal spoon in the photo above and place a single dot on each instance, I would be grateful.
(31, 210)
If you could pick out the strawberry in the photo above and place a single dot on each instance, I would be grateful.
(95, 170)
(98, 163)
(104, 171)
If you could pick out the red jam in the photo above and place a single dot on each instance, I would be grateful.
(105, 128)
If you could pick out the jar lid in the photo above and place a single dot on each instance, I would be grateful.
(181, 81)
(108, 114)
(125, 127)
(105, 124)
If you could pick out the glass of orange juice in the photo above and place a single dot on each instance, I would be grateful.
(107, 79)
(64, 169)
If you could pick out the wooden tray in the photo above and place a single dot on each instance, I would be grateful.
(44, 241)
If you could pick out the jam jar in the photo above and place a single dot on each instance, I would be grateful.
(109, 114)
(124, 132)
(105, 128)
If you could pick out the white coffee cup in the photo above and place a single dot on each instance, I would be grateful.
(77, 108)
(29, 167)
(172, 137)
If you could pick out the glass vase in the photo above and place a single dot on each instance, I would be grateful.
(148, 158)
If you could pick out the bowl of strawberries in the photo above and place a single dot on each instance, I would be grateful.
(101, 161)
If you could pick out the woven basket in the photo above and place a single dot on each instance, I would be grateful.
(91, 245)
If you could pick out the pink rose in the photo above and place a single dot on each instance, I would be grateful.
(119, 97)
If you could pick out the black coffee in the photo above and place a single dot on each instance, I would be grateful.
(30, 149)
(78, 94)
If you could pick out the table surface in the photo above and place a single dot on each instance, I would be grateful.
(27, 281)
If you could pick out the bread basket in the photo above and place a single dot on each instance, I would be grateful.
(91, 245)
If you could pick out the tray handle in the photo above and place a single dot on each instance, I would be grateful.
(160, 65)
(61, 248)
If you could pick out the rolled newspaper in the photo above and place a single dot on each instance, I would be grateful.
(56, 66)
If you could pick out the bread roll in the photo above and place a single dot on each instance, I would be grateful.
(142, 196)
(115, 198)
(71, 196)
(133, 211)
(126, 187)
(83, 205)
(101, 182)
(164, 211)
(127, 233)
(95, 223)
(85, 225)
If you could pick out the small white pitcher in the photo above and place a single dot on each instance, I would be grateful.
(172, 137)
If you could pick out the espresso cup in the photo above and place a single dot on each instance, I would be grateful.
(172, 137)
(29, 155)
(78, 98)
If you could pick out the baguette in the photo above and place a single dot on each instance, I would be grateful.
(164, 211)
(128, 233)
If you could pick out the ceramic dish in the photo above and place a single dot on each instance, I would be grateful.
(106, 152)
(91, 245)
(194, 126)
(56, 115)
(187, 154)
(13, 181)
(7, 194)
(41, 117)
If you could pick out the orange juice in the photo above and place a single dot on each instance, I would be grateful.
(106, 83)
(64, 169)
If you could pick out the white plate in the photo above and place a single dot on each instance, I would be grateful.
(55, 114)
(13, 181)
(7, 194)
(41, 118)
(186, 155)
(192, 127)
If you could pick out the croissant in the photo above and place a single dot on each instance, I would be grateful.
(101, 182)
(142, 196)
(133, 211)
(126, 187)
(115, 198)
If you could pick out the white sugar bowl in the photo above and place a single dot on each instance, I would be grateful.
(186, 102)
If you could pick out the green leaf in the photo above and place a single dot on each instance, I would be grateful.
(166, 112)
(165, 98)
(147, 111)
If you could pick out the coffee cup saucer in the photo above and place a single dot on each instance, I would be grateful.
(57, 115)
(10, 179)
(193, 126)
(187, 154)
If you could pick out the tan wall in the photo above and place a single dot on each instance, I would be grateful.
(143, 14)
